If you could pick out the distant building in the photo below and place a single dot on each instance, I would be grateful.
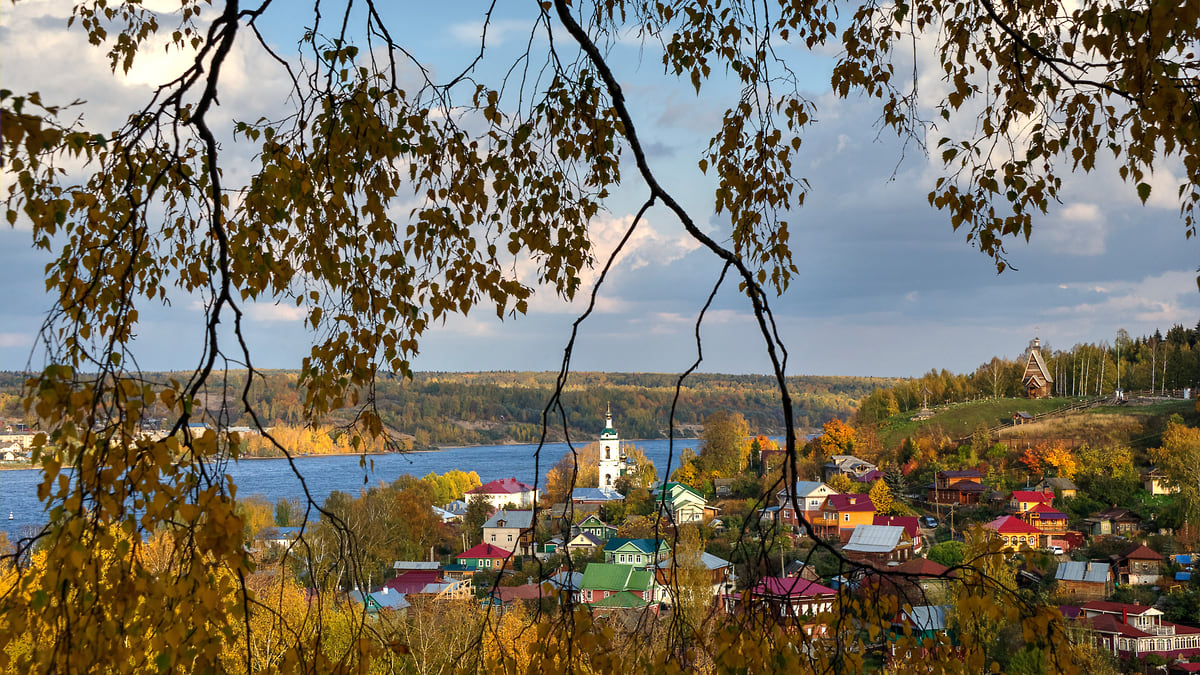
(504, 491)
(511, 531)
(612, 459)
(1036, 379)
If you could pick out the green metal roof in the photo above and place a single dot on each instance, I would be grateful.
(622, 600)
(615, 577)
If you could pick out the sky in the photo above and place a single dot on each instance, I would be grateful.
(885, 287)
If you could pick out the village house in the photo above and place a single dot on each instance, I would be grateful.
(593, 500)
(788, 600)
(1049, 520)
(381, 601)
(681, 502)
(1085, 580)
(720, 572)
(923, 622)
(840, 514)
(1024, 500)
(1064, 487)
(1138, 565)
(502, 492)
(1136, 631)
(1155, 482)
(484, 557)
(911, 525)
(846, 465)
(931, 578)
(956, 487)
(583, 542)
(1015, 534)
(511, 531)
(810, 495)
(592, 525)
(601, 580)
(637, 552)
(879, 545)
(1119, 521)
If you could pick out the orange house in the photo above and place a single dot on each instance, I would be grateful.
(840, 514)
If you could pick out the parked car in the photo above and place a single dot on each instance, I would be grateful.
(1056, 550)
(929, 522)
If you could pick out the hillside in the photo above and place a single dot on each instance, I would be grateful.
(1137, 423)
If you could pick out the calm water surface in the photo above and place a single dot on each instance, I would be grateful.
(273, 478)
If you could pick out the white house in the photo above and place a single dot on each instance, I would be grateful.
(504, 491)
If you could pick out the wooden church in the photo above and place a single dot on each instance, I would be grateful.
(1036, 379)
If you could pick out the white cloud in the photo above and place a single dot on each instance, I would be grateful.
(1080, 229)
(498, 31)
(1157, 301)
(16, 340)
(261, 311)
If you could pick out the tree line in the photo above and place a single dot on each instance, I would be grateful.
(1152, 363)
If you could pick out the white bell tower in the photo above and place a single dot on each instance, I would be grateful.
(612, 464)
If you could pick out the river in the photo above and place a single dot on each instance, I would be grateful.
(273, 479)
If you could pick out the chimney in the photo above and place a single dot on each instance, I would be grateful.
(385, 590)
(1125, 615)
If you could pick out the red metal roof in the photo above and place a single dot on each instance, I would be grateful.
(1047, 511)
(1012, 525)
(850, 502)
(1116, 607)
(909, 523)
(501, 486)
(483, 551)
(412, 581)
(922, 567)
(1141, 552)
(1032, 496)
(791, 587)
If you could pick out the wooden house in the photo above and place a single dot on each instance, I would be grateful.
(1117, 520)
(1059, 486)
(957, 487)
(1036, 379)
(1139, 565)
(879, 545)
(680, 502)
(1085, 580)
(639, 552)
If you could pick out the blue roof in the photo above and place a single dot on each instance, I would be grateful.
(643, 545)
(595, 495)
(1184, 558)
(1183, 576)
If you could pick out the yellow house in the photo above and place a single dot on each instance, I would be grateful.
(840, 514)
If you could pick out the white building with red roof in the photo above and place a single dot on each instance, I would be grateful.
(1136, 631)
(505, 491)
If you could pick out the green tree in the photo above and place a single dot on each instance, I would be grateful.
(1179, 459)
(478, 511)
(948, 553)
(725, 448)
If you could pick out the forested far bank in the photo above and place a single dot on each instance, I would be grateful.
(448, 408)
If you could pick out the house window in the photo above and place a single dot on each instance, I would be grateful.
(847, 517)
(493, 537)
(510, 538)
